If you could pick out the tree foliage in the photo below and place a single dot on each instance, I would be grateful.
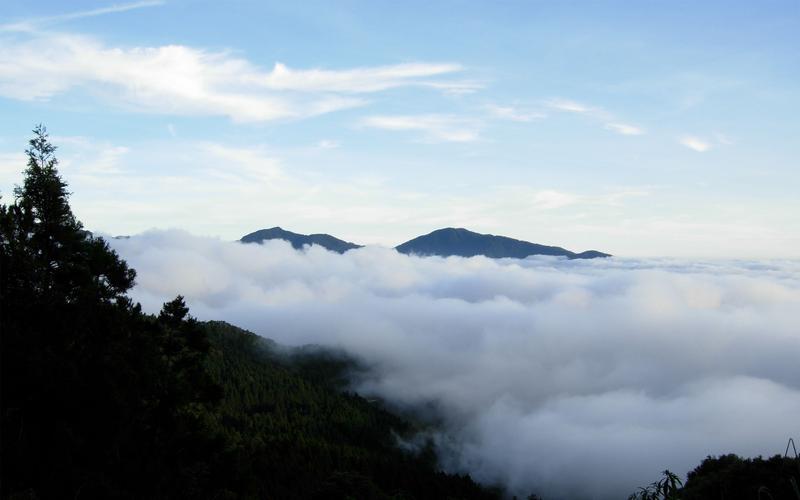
(292, 435)
(97, 398)
(102, 401)
(732, 478)
(735, 478)
(667, 488)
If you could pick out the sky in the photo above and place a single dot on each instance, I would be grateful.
(639, 129)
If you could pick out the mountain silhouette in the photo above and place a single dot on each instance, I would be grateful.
(300, 240)
(465, 243)
(442, 242)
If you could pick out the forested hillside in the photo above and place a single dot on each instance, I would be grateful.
(102, 401)
(292, 434)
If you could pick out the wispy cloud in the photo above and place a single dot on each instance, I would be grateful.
(610, 122)
(695, 143)
(38, 22)
(177, 79)
(248, 164)
(521, 199)
(328, 144)
(625, 129)
(11, 167)
(435, 128)
(554, 199)
(360, 80)
(513, 113)
(571, 106)
(722, 139)
(90, 158)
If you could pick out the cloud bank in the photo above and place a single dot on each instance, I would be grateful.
(569, 379)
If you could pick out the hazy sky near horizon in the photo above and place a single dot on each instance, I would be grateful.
(641, 129)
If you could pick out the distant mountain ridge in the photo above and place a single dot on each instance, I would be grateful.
(464, 243)
(442, 242)
(299, 240)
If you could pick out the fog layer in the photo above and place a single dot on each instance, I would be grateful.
(565, 378)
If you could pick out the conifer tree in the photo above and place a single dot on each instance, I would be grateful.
(86, 377)
(47, 248)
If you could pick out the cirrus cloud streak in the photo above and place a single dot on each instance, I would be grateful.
(183, 80)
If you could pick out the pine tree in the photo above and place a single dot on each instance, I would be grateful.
(64, 313)
(47, 249)
(86, 377)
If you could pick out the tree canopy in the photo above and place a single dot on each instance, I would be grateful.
(100, 400)
(91, 387)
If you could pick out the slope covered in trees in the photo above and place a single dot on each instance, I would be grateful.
(293, 435)
(102, 401)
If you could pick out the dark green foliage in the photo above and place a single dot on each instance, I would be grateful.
(734, 478)
(102, 401)
(667, 488)
(730, 477)
(98, 400)
(295, 436)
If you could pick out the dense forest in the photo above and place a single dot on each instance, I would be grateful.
(100, 400)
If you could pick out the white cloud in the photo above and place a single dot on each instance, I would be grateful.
(328, 144)
(176, 79)
(723, 139)
(513, 113)
(252, 164)
(11, 167)
(36, 23)
(695, 143)
(456, 88)
(610, 122)
(570, 106)
(89, 158)
(436, 128)
(554, 199)
(625, 129)
(536, 368)
(358, 80)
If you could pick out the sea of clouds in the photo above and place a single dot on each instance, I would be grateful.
(572, 379)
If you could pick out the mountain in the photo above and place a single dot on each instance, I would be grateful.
(464, 243)
(299, 240)
(294, 431)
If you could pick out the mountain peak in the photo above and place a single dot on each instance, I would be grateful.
(465, 243)
(443, 242)
(299, 240)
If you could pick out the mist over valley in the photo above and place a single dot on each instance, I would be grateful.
(570, 378)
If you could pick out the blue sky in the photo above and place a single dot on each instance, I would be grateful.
(642, 129)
